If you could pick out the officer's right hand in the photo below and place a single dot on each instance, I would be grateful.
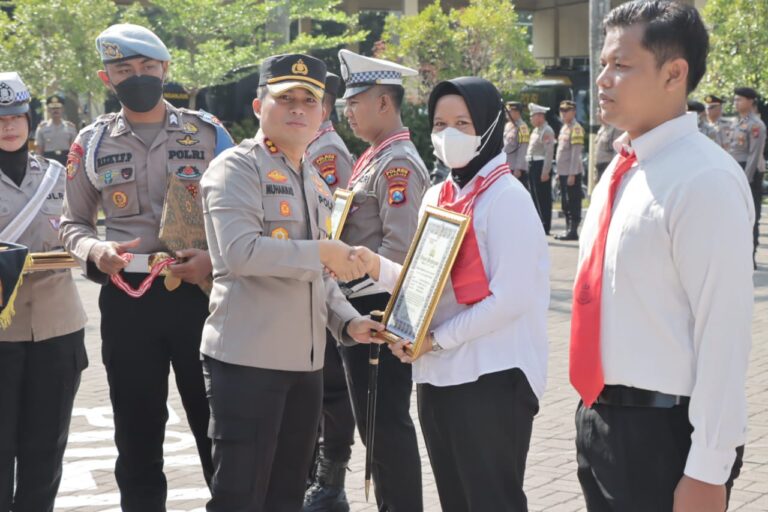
(341, 260)
(107, 255)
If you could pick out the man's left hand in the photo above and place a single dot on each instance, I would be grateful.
(693, 495)
(195, 268)
(571, 180)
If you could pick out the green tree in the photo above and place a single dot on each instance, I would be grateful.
(207, 38)
(464, 41)
(738, 46)
(50, 43)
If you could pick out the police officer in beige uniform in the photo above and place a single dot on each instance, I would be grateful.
(327, 152)
(747, 146)
(330, 157)
(267, 218)
(121, 163)
(604, 150)
(516, 139)
(720, 129)
(541, 149)
(54, 136)
(570, 145)
(42, 350)
(388, 181)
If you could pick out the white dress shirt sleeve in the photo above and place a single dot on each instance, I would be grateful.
(712, 253)
(513, 236)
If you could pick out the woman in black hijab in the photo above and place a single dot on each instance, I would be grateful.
(42, 348)
(483, 366)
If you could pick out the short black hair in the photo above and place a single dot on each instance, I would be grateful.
(396, 92)
(672, 30)
(329, 100)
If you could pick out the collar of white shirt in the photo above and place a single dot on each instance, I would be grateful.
(655, 141)
(484, 171)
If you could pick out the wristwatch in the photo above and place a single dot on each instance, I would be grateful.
(435, 345)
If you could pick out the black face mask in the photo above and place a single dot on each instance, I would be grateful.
(140, 93)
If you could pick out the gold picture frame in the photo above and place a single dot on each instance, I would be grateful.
(342, 203)
(425, 273)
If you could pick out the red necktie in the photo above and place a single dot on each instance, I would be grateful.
(586, 368)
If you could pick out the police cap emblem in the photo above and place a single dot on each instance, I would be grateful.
(111, 50)
(7, 96)
(299, 68)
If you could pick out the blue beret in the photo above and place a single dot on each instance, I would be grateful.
(124, 41)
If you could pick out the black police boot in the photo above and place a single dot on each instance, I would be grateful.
(563, 234)
(326, 494)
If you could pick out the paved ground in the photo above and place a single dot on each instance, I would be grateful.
(88, 483)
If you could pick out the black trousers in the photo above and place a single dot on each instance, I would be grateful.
(477, 436)
(264, 427)
(756, 186)
(601, 167)
(570, 201)
(396, 462)
(38, 383)
(338, 420)
(541, 191)
(141, 338)
(630, 459)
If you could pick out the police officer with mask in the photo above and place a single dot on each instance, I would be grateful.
(121, 164)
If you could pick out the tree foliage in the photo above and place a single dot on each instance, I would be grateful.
(482, 39)
(738, 46)
(208, 38)
(51, 42)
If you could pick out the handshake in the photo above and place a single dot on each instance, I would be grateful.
(348, 263)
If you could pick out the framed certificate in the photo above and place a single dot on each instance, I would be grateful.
(342, 201)
(424, 275)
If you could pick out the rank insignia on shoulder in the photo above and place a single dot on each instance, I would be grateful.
(188, 141)
(189, 128)
(120, 199)
(188, 172)
(277, 176)
(280, 234)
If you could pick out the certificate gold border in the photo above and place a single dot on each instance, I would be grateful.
(346, 196)
(462, 221)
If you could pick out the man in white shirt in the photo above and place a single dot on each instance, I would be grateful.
(663, 299)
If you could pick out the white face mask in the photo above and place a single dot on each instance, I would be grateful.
(456, 149)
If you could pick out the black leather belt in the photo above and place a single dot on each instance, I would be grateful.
(626, 396)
